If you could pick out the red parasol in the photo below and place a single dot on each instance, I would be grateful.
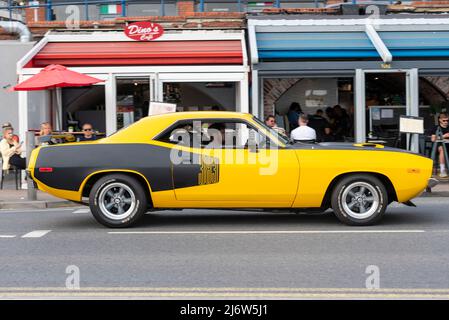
(56, 76)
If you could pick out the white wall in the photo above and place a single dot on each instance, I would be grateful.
(38, 108)
(10, 53)
(197, 94)
(307, 90)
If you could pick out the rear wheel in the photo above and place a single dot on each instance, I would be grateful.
(117, 201)
(359, 200)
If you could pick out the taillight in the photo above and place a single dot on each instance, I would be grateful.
(45, 169)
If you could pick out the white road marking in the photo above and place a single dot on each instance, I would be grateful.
(82, 211)
(36, 234)
(268, 232)
(47, 210)
(7, 236)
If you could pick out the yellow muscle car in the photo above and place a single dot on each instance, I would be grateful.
(225, 160)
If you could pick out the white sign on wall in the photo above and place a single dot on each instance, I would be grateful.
(411, 124)
(160, 108)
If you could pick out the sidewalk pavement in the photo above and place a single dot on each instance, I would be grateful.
(440, 190)
(17, 199)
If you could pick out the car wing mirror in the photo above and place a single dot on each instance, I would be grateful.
(252, 142)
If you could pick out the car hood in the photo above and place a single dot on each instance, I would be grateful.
(345, 146)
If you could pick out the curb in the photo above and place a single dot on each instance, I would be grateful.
(38, 204)
(435, 194)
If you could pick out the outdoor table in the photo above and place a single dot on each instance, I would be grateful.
(377, 141)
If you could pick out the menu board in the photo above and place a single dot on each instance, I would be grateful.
(160, 108)
(411, 124)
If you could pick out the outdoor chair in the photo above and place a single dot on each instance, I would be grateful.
(17, 174)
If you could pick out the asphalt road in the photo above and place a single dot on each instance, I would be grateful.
(204, 254)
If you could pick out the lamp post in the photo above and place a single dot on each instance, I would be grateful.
(48, 13)
(31, 192)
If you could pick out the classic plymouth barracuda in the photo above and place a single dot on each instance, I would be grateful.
(225, 160)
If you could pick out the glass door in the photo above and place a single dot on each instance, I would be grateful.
(386, 101)
(382, 96)
(133, 96)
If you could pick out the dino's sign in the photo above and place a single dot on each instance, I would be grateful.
(144, 31)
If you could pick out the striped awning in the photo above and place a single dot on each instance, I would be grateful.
(114, 53)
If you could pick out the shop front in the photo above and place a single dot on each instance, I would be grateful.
(375, 69)
(196, 70)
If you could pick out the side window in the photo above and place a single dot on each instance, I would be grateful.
(230, 134)
(215, 134)
(179, 134)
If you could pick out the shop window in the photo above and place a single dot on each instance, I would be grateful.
(329, 100)
(201, 96)
(144, 8)
(221, 6)
(303, 3)
(133, 99)
(386, 101)
(84, 105)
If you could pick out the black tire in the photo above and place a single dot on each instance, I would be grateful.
(348, 198)
(112, 209)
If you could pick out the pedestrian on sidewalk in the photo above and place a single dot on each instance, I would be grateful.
(11, 151)
(442, 130)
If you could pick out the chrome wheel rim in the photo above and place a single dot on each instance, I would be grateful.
(360, 200)
(117, 201)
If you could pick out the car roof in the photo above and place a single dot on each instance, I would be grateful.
(199, 114)
(150, 126)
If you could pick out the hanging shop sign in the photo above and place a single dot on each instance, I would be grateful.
(144, 31)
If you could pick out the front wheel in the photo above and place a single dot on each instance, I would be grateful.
(117, 201)
(359, 200)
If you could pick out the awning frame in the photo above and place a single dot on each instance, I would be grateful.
(371, 26)
(119, 36)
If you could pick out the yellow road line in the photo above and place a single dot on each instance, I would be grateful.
(219, 289)
(210, 295)
(230, 292)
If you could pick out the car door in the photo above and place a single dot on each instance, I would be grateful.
(248, 170)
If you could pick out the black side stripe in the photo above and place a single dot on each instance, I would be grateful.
(72, 164)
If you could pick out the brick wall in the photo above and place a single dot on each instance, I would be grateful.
(185, 7)
(7, 36)
(192, 20)
(273, 89)
(430, 3)
(334, 1)
(35, 14)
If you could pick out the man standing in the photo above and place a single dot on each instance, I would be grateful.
(442, 132)
(321, 126)
(293, 115)
(303, 132)
(88, 133)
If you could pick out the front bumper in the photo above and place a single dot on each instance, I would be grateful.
(432, 183)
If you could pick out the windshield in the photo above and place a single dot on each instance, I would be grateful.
(280, 137)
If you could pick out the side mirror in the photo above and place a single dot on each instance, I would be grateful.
(252, 142)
